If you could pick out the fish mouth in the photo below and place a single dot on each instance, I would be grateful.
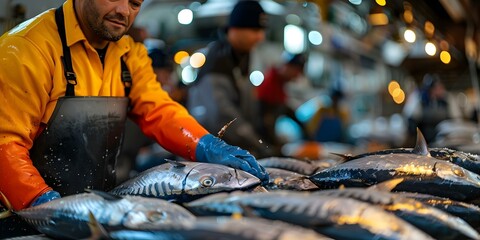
(246, 180)
(238, 181)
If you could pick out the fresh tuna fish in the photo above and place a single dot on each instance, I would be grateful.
(468, 212)
(185, 181)
(68, 217)
(468, 161)
(288, 180)
(438, 224)
(421, 173)
(290, 164)
(339, 218)
(213, 228)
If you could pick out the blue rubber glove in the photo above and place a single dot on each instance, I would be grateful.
(46, 197)
(211, 149)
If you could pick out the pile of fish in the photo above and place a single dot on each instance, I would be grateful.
(404, 193)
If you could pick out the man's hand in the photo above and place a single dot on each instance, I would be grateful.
(211, 149)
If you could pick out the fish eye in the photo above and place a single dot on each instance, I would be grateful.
(458, 171)
(156, 216)
(207, 181)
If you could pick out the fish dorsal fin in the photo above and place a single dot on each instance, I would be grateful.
(175, 163)
(386, 186)
(8, 205)
(345, 157)
(104, 195)
(421, 145)
(97, 231)
(259, 189)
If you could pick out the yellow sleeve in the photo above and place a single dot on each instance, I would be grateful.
(24, 83)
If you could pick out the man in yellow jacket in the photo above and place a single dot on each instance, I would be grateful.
(67, 77)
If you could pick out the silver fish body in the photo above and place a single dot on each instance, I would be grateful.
(423, 174)
(288, 180)
(341, 218)
(186, 181)
(206, 228)
(467, 211)
(466, 160)
(433, 221)
(290, 164)
(68, 217)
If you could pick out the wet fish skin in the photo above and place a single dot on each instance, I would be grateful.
(186, 181)
(422, 174)
(438, 224)
(339, 218)
(468, 212)
(205, 228)
(290, 164)
(281, 179)
(466, 160)
(67, 217)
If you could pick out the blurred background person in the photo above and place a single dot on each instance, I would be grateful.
(330, 121)
(429, 105)
(223, 91)
(272, 96)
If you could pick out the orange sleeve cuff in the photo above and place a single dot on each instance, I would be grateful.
(179, 134)
(20, 181)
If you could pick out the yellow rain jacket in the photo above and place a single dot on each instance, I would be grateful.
(32, 79)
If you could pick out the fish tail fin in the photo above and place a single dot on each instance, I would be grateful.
(97, 231)
(8, 205)
(105, 195)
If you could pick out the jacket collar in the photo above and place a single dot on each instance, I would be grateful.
(75, 34)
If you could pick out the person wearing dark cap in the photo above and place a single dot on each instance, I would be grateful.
(271, 93)
(428, 106)
(223, 91)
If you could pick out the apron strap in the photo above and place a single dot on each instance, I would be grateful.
(67, 60)
(126, 78)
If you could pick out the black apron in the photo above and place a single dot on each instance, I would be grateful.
(80, 144)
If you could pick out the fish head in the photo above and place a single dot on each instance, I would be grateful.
(456, 174)
(151, 212)
(206, 178)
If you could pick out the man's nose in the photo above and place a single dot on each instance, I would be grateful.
(123, 7)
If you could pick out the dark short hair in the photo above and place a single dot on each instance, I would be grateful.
(247, 14)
